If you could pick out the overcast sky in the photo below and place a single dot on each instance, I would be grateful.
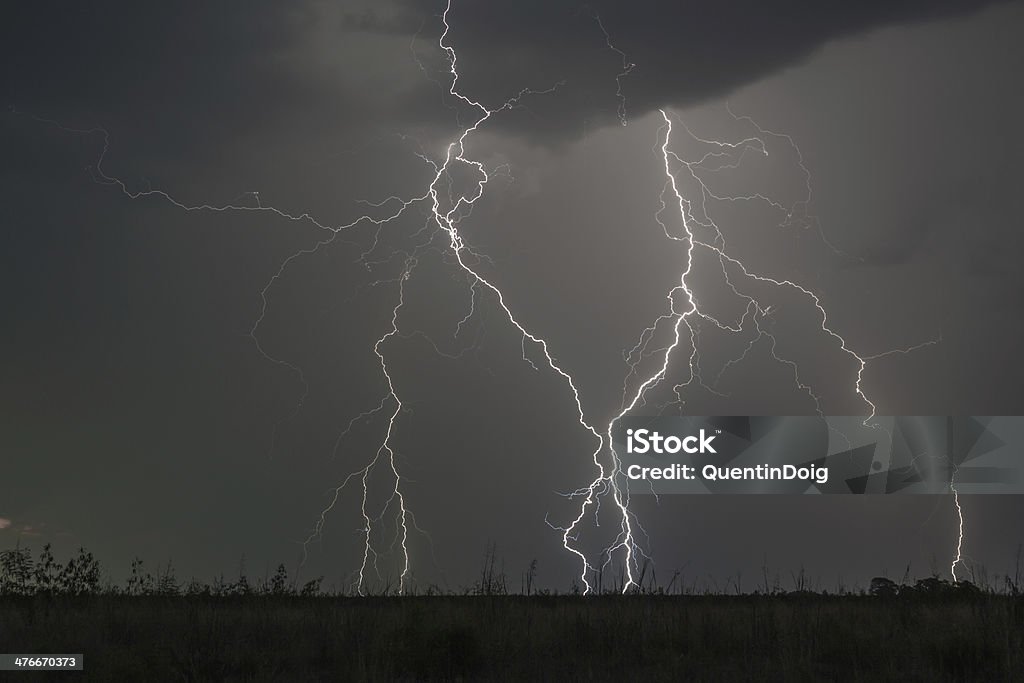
(139, 417)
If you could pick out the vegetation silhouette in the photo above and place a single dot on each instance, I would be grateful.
(156, 627)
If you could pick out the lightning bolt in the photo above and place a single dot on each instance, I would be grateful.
(684, 308)
(446, 207)
(385, 450)
(953, 469)
(627, 68)
(960, 528)
(447, 220)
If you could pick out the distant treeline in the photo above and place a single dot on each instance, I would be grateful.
(22, 574)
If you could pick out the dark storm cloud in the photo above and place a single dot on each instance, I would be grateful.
(117, 47)
(132, 51)
(246, 62)
(187, 76)
(683, 53)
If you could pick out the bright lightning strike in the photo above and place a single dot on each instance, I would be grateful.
(446, 207)
(960, 528)
(684, 308)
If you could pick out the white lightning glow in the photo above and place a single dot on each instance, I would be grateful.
(700, 237)
(960, 528)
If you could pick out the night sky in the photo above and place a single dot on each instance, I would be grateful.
(140, 417)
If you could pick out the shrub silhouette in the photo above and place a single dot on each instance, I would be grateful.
(16, 571)
(23, 575)
(268, 628)
(882, 587)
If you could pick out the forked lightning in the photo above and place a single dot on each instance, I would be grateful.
(700, 238)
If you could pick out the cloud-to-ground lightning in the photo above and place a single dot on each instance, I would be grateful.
(677, 330)
(681, 314)
(960, 525)
(386, 450)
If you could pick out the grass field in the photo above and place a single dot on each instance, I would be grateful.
(650, 637)
(153, 628)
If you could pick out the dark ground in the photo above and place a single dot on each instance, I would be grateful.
(649, 637)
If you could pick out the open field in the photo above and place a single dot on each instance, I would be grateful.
(650, 637)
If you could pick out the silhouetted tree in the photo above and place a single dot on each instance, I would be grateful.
(311, 587)
(197, 588)
(933, 586)
(966, 588)
(279, 582)
(139, 582)
(882, 587)
(47, 571)
(242, 585)
(81, 575)
(167, 583)
(16, 571)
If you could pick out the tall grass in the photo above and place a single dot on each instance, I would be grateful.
(157, 628)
